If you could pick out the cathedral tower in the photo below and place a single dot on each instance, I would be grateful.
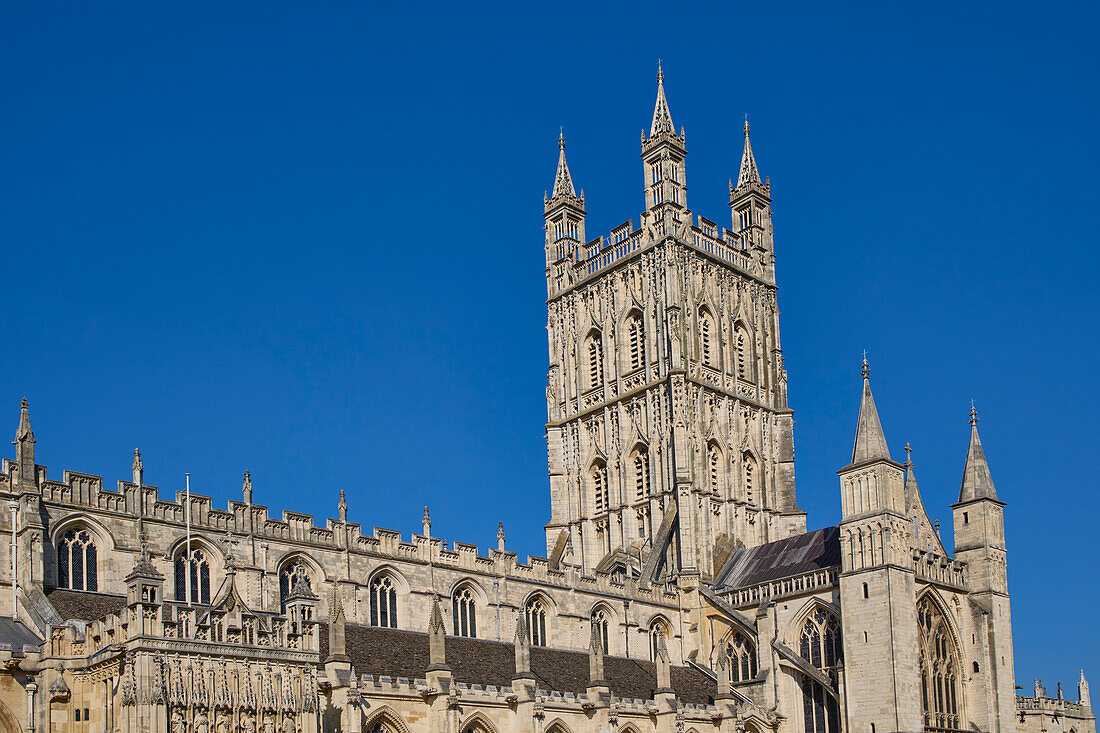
(877, 584)
(980, 543)
(669, 439)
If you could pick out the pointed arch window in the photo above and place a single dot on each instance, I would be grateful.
(714, 468)
(640, 464)
(598, 478)
(77, 561)
(939, 668)
(193, 576)
(594, 360)
(536, 621)
(464, 611)
(748, 466)
(741, 656)
(706, 337)
(636, 342)
(820, 645)
(742, 346)
(600, 626)
(657, 632)
(293, 573)
(383, 602)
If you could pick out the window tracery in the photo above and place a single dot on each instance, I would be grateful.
(594, 355)
(640, 463)
(939, 668)
(77, 561)
(294, 572)
(464, 611)
(820, 645)
(193, 576)
(657, 631)
(741, 656)
(600, 624)
(536, 621)
(383, 602)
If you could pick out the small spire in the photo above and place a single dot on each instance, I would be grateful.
(664, 667)
(343, 507)
(662, 118)
(749, 172)
(908, 456)
(246, 487)
(24, 420)
(337, 629)
(870, 442)
(977, 482)
(426, 522)
(437, 652)
(500, 536)
(522, 647)
(139, 470)
(595, 657)
(563, 182)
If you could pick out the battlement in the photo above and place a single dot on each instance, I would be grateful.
(83, 491)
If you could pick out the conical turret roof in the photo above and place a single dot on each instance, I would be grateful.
(748, 173)
(662, 118)
(870, 442)
(977, 483)
(563, 182)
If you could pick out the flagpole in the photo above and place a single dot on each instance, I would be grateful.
(187, 564)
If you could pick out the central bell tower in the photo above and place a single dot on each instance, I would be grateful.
(669, 439)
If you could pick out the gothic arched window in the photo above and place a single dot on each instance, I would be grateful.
(383, 602)
(748, 465)
(742, 345)
(741, 658)
(598, 479)
(293, 572)
(939, 667)
(820, 645)
(600, 626)
(706, 338)
(536, 621)
(714, 468)
(657, 632)
(639, 461)
(193, 576)
(76, 561)
(636, 341)
(464, 610)
(594, 356)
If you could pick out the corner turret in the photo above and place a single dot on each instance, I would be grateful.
(24, 451)
(663, 154)
(750, 207)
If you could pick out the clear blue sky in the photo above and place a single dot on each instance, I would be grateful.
(305, 240)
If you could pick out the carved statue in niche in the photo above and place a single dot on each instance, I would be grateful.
(201, 723)
(222, 723)
(288, 725)
(179, 725)
(247, 724)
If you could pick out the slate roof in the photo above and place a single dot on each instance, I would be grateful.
(14, 634)
(82, 606)
(398, 653)
(802, 553)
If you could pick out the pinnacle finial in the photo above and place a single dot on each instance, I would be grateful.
(865, 372)
(561, 138)
(973, 413)
(746, 124)
(23, 404)
(660, 73)
(662, 118)
(908, 455)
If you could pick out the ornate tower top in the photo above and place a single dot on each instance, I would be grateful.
(748, 173)
(662, 117)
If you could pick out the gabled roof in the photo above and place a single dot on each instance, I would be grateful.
(783, 558)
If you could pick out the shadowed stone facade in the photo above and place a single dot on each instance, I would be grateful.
(681, 591)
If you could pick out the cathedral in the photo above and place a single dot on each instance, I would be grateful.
(681, 591)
